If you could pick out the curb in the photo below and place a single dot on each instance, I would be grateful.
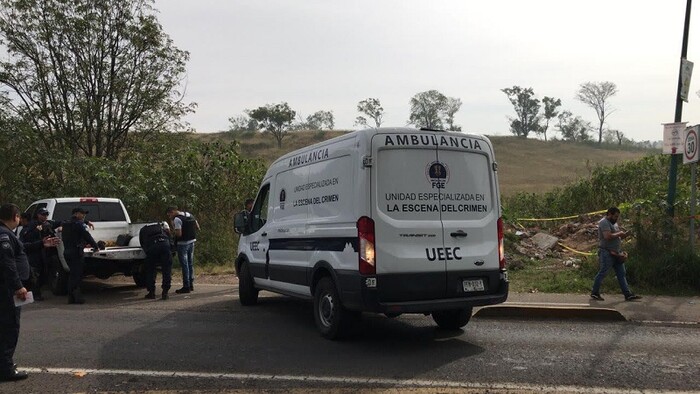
(545, 312)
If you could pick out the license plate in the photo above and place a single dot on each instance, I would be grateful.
(470, 285)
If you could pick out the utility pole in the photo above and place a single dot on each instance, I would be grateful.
(673, 172)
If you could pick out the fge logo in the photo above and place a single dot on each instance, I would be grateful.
(438, 175)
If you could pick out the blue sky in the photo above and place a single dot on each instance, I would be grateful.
(328, 55)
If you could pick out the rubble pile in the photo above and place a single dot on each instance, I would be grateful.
(555, 243)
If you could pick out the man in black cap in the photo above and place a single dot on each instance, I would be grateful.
(75, 237)
(35, 236)
(13, 269)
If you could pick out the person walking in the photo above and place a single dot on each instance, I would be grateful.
(75, 236)
(185, 227)
(156, 243)
(610, 255)
(14, 267)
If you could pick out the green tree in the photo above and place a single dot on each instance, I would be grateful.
(88, 73)
(276, 119)
(453, 105)
(551, 106)
(596, 96)
(21, 156)
(432, 109)
(320, 120)
(527, 108)
(242, 123)
(373, 109)
(573, 128)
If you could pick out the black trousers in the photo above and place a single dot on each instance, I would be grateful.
(76, 263)
(158, 254)
(9, 329)
(38, 276)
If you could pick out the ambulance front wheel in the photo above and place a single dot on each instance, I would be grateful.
(452, 319)
(247, 293)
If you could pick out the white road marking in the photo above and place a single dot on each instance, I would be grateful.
(367, 381)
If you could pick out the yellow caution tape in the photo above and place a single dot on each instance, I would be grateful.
(574, 250)
(561, 218)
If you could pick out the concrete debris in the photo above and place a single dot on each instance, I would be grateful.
(545, 241)
(541, 242)
(572, 262)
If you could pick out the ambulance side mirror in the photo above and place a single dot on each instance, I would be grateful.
(240, 220)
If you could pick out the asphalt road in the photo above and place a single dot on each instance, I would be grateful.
(206, 341)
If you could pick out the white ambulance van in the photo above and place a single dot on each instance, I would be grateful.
(389, 220)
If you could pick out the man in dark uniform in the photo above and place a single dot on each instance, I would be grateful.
(75, 236)
(24, 219)
(156, 243)
(35, 234)
(13, 268)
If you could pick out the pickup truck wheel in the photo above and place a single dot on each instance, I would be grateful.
(59, 279)
(247, 293)
(332, 319)
(139, 275)
(452, 319)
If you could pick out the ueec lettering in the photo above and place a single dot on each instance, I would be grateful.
(443, 254)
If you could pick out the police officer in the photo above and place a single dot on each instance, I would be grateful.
(13, 268)
(24, 219)
(156, 243)
(75, 236)
(34, 235)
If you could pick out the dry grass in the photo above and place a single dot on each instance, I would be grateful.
(525, 165)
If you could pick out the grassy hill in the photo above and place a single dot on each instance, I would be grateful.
(526, 165)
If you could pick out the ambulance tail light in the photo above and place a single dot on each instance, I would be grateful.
(365, 235)
(501, 248)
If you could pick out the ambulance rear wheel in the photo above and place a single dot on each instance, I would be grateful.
(332, 319)
(247, 293)
(452, 319)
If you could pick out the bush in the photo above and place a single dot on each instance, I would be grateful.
(210, 180)
(661, 257)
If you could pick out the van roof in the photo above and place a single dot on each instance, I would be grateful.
(372, 131)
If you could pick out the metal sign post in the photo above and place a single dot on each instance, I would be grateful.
(691, 156)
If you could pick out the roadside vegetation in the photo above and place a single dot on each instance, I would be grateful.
(660, 258)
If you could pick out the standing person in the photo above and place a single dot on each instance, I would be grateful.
(156, 243)
(38, 233)
(610, 254)
(185, 228)
(14, 268)
(24, 219)
(75, 236)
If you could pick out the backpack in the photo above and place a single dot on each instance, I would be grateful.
(189, 227)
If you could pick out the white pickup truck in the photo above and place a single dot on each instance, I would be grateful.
(112, 224)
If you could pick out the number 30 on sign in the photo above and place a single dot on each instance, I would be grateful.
(690, 151)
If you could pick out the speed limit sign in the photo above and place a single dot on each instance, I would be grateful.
(690, 153)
